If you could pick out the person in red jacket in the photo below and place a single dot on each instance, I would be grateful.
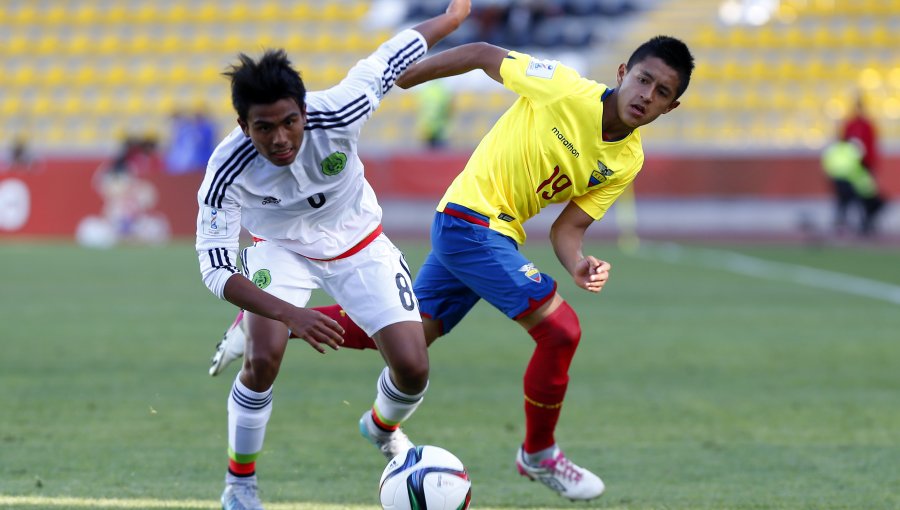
(861, 128)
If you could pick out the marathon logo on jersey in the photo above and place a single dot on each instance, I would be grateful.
(213, 223)
(600, 175)
(538, 68)
(565, 141)
(531, 272)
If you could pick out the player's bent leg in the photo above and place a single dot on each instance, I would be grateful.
(402, 345)
(556, 332)
(230, 347)
(264, 350)
(249, 409)
(400, 389)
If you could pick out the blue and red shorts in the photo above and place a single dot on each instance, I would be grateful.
(469, 261)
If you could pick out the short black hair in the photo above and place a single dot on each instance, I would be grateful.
(266, 81)
(673, 52)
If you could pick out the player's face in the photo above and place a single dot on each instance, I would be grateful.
(646, 91)
(276, 129)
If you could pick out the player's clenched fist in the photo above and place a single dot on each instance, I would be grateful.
(591, 273)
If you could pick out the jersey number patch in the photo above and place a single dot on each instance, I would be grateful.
(557, 182)
(317, 200)
(407, 299)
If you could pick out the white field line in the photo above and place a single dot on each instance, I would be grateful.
(70, 502)
(777, 271)
(25, 502)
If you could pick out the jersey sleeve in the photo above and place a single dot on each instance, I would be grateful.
(598, 201)
(219, 219)
(349, 104)
(541, 81)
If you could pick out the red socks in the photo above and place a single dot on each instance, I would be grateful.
(547, 375)
(354, 337)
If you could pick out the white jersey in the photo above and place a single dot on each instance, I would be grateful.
(320, 206)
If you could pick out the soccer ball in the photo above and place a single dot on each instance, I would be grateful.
(425, 477)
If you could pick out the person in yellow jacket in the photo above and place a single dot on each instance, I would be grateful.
(853, 184)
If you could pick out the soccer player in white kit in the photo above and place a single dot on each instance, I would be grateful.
(290, 174)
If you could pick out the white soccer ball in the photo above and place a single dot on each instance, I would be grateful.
(425, 477)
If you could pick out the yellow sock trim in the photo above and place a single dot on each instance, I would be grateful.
(535, 403)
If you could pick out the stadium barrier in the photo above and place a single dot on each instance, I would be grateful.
(56, 197)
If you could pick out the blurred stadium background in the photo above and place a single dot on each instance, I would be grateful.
(741, 156)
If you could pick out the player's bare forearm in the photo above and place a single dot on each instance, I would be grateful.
(438, 27)
(244, 294)
(452, 62)
(567, 237)
(310, 325)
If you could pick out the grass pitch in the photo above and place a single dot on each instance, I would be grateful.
(695, 387)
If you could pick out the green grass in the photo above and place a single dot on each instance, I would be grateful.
(693, 388)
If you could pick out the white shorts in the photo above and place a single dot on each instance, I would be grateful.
(374, 285)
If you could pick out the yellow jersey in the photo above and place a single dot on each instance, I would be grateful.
(547, 148)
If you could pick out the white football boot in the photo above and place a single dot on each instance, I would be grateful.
(240, 493)
(561, 475)
(230, 347)
(390, 444)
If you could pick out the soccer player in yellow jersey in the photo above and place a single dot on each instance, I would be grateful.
(565, 139)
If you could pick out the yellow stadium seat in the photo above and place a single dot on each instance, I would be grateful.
(116, 75)
(239, 12)
(86, 134)
(767, 37)
(144, 13)
(300, 11)
(47, 45)
(851, 36)
(181, 12)
(26, 14)
(140, 43)
(706, 38)
(207, 13)
(54, 14)
(109, 44)
(24, 76)
(268, 12)
(115, 13)
(70, 105)
(103, 104)
(85, 14)
(10, 106)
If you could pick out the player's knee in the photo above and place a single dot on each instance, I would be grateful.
(410, 375)
(561, 328)
(261, 369)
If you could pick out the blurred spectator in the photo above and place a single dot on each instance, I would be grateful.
(860, 127)
(853, 186)
(20, 157)
(192, 143)
(435, 110)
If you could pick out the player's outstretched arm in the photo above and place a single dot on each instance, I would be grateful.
(567, 237)
(459, 60)
(438, 27)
